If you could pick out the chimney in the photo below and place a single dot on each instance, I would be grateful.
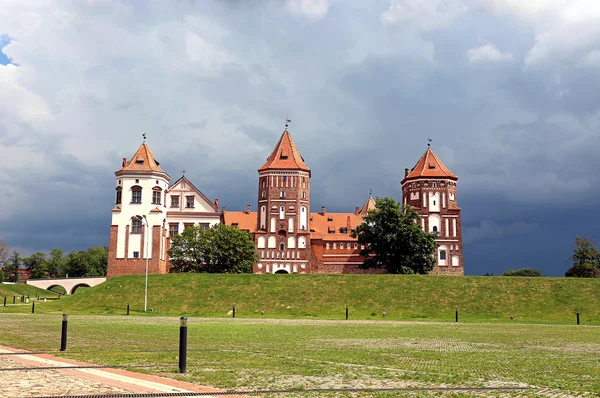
(323, 210)
(217, 203)
(406, 172)
(348, 225)
(357, 211)
(124, 162)
(247, 209)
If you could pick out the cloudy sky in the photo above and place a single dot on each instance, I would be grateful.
(507, 89)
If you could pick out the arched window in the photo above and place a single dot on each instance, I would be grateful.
(302, 242)
(290, 224)
(263, 217)
(261, 242)
(136, 194)
(263, 194)
(435, 228)
(282, 194)
(303, 218)
(291, 243)
(119, 197)
(442, 254)
(281, 246)
(273, 224)
(304, 195)
(271, 243)
(282, 212)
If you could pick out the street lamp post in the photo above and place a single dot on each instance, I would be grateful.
(145, 221)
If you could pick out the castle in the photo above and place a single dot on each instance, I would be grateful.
(289, 237)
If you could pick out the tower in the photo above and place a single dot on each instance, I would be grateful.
(140, 191)
(430, 188)
(283, 231)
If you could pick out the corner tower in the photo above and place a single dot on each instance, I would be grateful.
(430, 188)
(140, 190)
(283, 234)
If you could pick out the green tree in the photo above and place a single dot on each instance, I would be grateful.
(36, 263)
(56, 263)
(12, 265)
(523, 272)
(1, 275)
(4, 252)
(220, 249)
(586, 259)
(92, 262)
(392, 233)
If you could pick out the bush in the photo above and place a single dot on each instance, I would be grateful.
(583, 271)
(523, 272)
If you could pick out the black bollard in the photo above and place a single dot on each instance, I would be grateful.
(14, 299)
(578, 317)
(33, 307)
(127, 309)
(63, 336)
(23, 298)
(182, 344)
(5, 301)
(457, 315)
(346, 312)
(233, 311)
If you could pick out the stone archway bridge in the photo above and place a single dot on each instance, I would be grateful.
(69, 284)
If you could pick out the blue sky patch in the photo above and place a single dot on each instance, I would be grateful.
(4, 41)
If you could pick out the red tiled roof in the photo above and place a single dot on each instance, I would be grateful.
(244, 220)
(430, 166)
(285, 156)
(329, 225)
(142, 160)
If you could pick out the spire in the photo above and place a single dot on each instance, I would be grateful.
(430, 166)
(285, 155)
(142, 160)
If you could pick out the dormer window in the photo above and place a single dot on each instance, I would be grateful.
(235, 225)
(329, 219)
(136, 194)
(344, 230)
(431, 165)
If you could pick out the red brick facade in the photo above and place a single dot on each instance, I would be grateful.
(128, 266)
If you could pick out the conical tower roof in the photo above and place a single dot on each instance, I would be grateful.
(285, 156)
(369, 205)
(142, 160)
(430, 166)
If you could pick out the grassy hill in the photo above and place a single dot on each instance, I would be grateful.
(21, 289)
(326, 296)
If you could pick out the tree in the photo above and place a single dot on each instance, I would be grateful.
(11, 267)
(92, 262)
(36, 263)
(220, 249)
(1, 275)
(392, 233)
(586, 259)
(523, 272)
(56, 263)
(4, 251)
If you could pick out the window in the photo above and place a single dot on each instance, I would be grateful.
(284, 178)
(119, 196)
(281, 246)
(327, 246)
(335, 246)
(205, 226)
(434, 185)
(263, 194)
(136, 227)
(137, 181)
(434, 202)
(189, 202)
(435, 228)
(303, 195)
(442, 254)
(136, 195)
(356, 245)
(344, 230)
(156, 194)
(341, 246)
(136, 254)
(282, 194)
(187, 225)
(174, 201)
(235, 225)
(173, 230)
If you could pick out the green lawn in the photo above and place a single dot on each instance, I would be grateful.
(402, 297)
(20, 289)
(268, 353)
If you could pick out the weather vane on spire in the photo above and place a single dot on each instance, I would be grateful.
(183, 171)
(144, 135)
(429, 142)
(370, 192)
(287, 122)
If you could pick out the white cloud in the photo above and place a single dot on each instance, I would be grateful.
(423, 14)
(488, 229)
(310, 9)
(488, 52)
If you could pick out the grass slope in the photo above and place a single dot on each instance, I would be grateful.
(21, 289)
(326, 296)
